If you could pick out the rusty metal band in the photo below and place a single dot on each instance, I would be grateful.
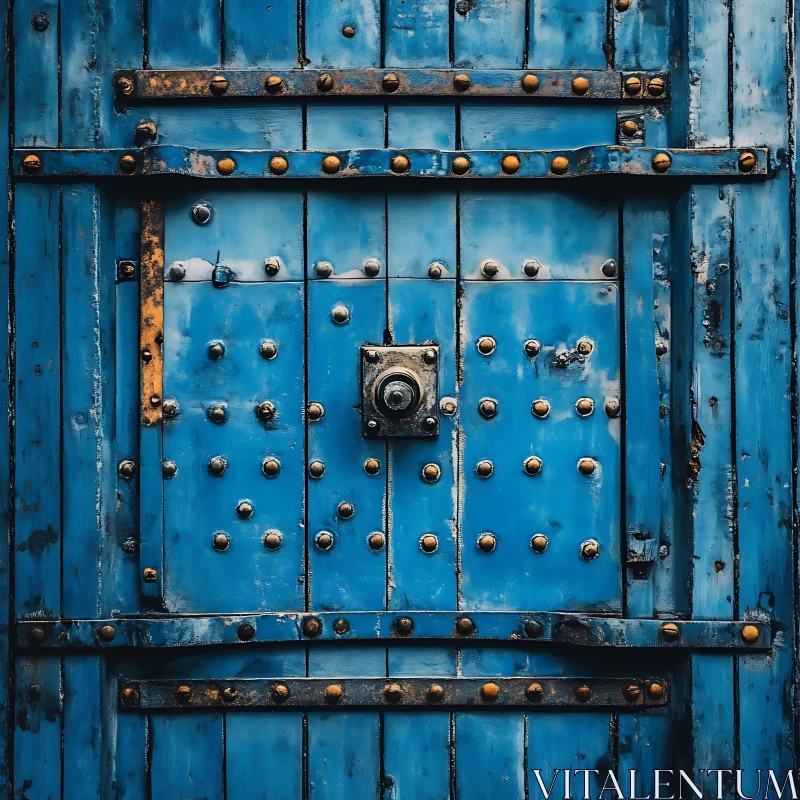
(274, 85)
(523, 629)
(351, 693)
(725, 164)
(151, 295)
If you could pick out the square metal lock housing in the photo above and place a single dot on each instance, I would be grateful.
(400, 391)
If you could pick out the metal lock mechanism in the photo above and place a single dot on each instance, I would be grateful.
(399, 391)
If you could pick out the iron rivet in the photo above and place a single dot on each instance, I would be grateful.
(340, 626)
(530, 83)
(750, 634)
(218, 85)
(268, 350)
(609, 268)
(273, 540)
(183, 694)
(316, 469)
(280, 693)
(221, 541)
(655, 691)
(623, 5)
(532, 348)
(348, 31)
(177, 272)
(331, 164)
(404, 626)
(488, 409)
(462, 82)
(36, 635)
(149, 575)
(460, 165)
(487, 542)
(340, 315)
(333, 693)
(539, 543)
(661, 162)
(586, 466)
(590, 550)
(325, 82)
(31, 164)
(428, 543)
(670, 632)
(435, 271)
(534, 693)
(486, 345)
(533, 465)
(656, 87)
(632, 692)
(126, 469)
(531, 268)
(371, 356)
(510, 164)
(584, 406)
(559, 165)
(245, 632)
(271, 467)
(127, 164)
(324, 540)
(229, 694)
(484, 469)
(583, 694)
(435, 693)
(661, 348)
(216, 351)
(124, 86)
(169, 469)
(533, 628)
(580, 85)
(147, 357)
(490, 269)
(278, 165)
(376, 541)
(265, 411)
(312, 627)
(216, 466)
(323, 269)
(490, 692)
(584, 347)
(400, 164)
(613, 407)
(372, 466)
(429, 356)
(244, 510)
(315, 412)
(130, 696)
(225, 166)
(127, 269)
(390, 82)
(201, 213)
(540, 408)
(465, 626)
(746, 162)
(345, 510)
(372, 267)
(633, 85)
(630, 128)
(448, 406)
(429, 423)
(217, 415)
(40, 21)
(393, 692)
(274, 84)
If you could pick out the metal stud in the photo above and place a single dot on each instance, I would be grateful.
(216, 466)
(278, 165)
(271, 467)
(225, 166)
(124, 86)
(345, 510)
(218, 85)
(372, 466)
(265, 411)
(540, 408)
(324, 540)
(670, 632)
(274, 84)
(404, 626)
(490, 692)
(559, 165)
(539, 543)
(460, 165)
(393, 692)
(400, 164)
(183, 694)
(584, 406)
(130, 697)
(584, 346)
(629, 128)
(656, 86)
(632, 692)
(488, 409)
(244, 510)
(221, 542)
(245, 632)
(36, 635)
(127, 164)
(31, 164)
(177, 272)
(217, 415)
(272, 266)
(229, 694)
(486, 345)
(323, 269)
(462, 82)
(390, 83)
(534, 692)
(340, 626)
(348, 31)
(580, 86)
(40, 21)
(435, 693)
(340, 315)
(149, 575)
(333, 693)
(312, 627)
(750, 634)
(622, 5)
(431, 473)
(435, 270)
(316, 469)
(532, 465)
(510, 164)
(484, 469)
(655, 691)
(532, 348)
(531, 268)
(376, 541)
(489, 269)
(633, 85)
(331, 164)
(429, 356)
(448, 406)
(533, 628)
(609, 268)
(216, 351)
(280, 693)
(530, 83)
(315, 412)
(273, 540)
(428, 543)
(107, 633)
(661, 348)
(487, 542)
(583, 694)
(126, 469)
(613, 407)
(747, 161)
(169, 469)
(465, 626)
(661, 162)
(325, 82)
(201, 213)
(126, 269)
(590, 549)
(268, 350)
(586, 466)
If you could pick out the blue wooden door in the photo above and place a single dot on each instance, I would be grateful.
(400, 398)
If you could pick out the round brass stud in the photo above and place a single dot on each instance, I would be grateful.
(540, 408)
(670, 632)
(274, 84)
(532, 348)
(331, 164)
(229, 694)
(656, 87)
(533, 465)
(225, 166)
(221, 542)
(345, 510)
(124, 86)
(348, 31)
(271, 467)
(750, 634)
(324, 540)
(404, 626)
(265, 411)
(530, 83)
(534, 692)
(340, 626)
(127, 164)
(273, 540)
(580, 86)
(629, 127)
(559, 165)
(218, 85)
(539, 543)
(244, 510)
(169, 469)
(183, 694)
(278, 165)
(333, 693)
(31, 164)
(584, 406)
(487, 542)
(431, 473)
(633, 85)
(245, 632)
(622, 5)
(149, 575)
(316, 469)
(460, 165)
(312, 627)
(655, 691)
(107, 633)
(145, 132)
(216, 466)
(268, 350)
(126, 469)
(486, 345)
(428, 543)
(510, 164)
(747, 162)
(488, 409)
(280, 693)
(583, 694)
(533, 628)
(465, 626)
(462, 82)
(613, 407)
(340, 314)
(489, 269)
(661, 162)
(315, 412)
(325, 82)
(590, 549)
(393, 692)
(484, 469)
(586, 466)
(130, 697)
(372, 466)
(390, 83)
(435, 693)
(490, 692)
(400, 164)
(632, 692)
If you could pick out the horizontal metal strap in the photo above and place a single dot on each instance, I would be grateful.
(397, 164)
(294, 693)
(585, 86)
(505, 626)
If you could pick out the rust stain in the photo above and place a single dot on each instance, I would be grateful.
(696, 445)
(151, 296)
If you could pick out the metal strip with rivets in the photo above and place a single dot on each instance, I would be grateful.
(349, 693)
(523, 628)
(582, 85)
(618, 160)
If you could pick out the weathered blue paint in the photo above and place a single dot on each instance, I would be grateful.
(247, 47)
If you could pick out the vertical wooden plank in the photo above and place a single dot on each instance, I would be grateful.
(343, 34)
(417, 33)
(83, 733)
(88, 391)
(36, 114)
(569, 35)
(37, 526)
(642, 35)
(260, 34)
(130, 758)
(489, 35)
(183, 34)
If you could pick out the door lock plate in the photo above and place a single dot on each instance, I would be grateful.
(400, 391)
